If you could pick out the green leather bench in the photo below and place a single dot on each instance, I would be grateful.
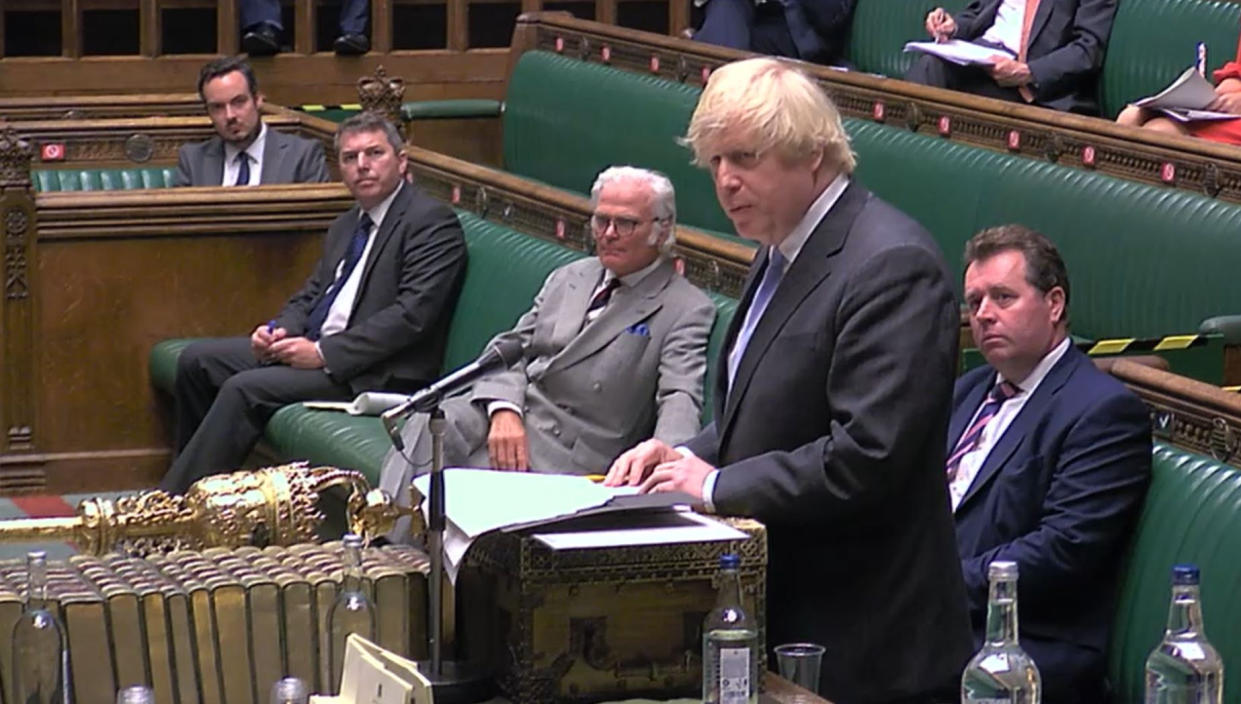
(497, 255)
(1152, 41)
(1145, 261)
(1192, 514)
(50, 180)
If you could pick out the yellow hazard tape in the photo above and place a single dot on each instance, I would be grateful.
(314, 108)
(1110, 346)
(351, 106)
(1175, 342)
(1233, 389)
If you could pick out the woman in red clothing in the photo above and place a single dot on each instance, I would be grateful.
(1227, 99)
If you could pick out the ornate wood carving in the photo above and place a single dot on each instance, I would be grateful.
(17, 341)
(382, 94)
(1187, 413)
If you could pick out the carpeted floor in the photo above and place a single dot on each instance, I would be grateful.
(44, 506)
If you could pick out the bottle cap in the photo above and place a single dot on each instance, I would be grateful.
(136, 694)
(729, 561)
(290, 690)
(1185, 574)
(352, 540)
(36, 556)
(1002, 569)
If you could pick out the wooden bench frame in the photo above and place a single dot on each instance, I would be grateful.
(1072, 140)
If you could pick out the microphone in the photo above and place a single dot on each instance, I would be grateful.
(499, 356)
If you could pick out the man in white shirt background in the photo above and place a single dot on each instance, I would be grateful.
(1048, 462)
(1049, 52)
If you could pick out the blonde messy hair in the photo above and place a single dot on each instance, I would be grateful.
(777, 104)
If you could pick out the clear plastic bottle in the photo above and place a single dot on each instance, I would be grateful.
(352, 612)
(729, 644)
(38, 642)
(1001, 671)
(1184, 668)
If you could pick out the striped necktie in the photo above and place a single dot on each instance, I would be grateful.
(601, 298)
(1000, 393)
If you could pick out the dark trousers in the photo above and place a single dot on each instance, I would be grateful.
(935, 72)
(256, 12)
(224, 399)
(738, 24)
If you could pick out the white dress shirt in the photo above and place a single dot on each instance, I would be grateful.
(973, 460)
(338, 315)
(254, 153)
(789, 248)
(1007, 28)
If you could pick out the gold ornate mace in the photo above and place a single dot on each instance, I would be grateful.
(270, 506)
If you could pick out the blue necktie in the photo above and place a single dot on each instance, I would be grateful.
(243, 170)
(766, 288)
(314, 323)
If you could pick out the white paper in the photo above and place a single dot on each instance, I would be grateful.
(1190, 91)
(960, 52)
(373, 675)
(666, 528)
(367, 403)
(1191, 115)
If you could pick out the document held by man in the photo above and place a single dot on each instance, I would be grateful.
(960, 52)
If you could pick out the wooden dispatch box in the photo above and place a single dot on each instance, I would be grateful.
(583, 625)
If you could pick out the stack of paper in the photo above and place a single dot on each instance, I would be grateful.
(960, 52)
(1186, 99)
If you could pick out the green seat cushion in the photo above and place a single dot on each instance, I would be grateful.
(162, 362)
(566, 120)
(328, 438)
(1153, 41)
(1192, 514)
(51, 180)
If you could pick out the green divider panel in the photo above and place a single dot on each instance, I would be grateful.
(1144, 261)
(566, 120)
(52, 180)
(1192, 514)
(1153, 41)
(880, 29)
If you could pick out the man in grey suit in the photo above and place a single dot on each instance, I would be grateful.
(615, 351)
(374, 314)
(244, 151)
(832, 407)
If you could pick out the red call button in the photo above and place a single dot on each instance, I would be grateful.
(52, 151)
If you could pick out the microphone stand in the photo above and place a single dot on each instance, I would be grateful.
(452, 682)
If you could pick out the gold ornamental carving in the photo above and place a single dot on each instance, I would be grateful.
(382, 94)
(270, 506)
(15, 157)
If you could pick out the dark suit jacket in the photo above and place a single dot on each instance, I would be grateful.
(286, 159)
(819, 28)
(834, 437)
(1058, 494)
(1067, 42)
(399, 325)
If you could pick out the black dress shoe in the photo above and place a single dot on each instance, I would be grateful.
(351, 45)
(261, 40)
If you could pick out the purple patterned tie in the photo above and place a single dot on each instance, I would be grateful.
(1000, 393)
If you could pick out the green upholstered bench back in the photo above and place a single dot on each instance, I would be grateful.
(880, 29)
(1153, 41)
(46, 180)
(1144, 261)
(566, 120)
(1192, 514)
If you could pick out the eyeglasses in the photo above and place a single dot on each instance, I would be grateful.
(623, 226)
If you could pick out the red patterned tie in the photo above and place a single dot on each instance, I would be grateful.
(1000, 393)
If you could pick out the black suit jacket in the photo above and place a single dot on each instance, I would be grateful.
(410, 281)
(818, 28)
(1067, 41)
(1058, 494)
(833, 435)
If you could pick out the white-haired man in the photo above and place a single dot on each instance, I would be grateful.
(832, 404)
(615, 352)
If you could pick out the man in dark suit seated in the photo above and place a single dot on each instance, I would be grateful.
(244, 152)
(810, 30)
(1054, 51)
(261, 25)
(831, 403)
(616, 349)
(374, 314)
(1049, 459)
